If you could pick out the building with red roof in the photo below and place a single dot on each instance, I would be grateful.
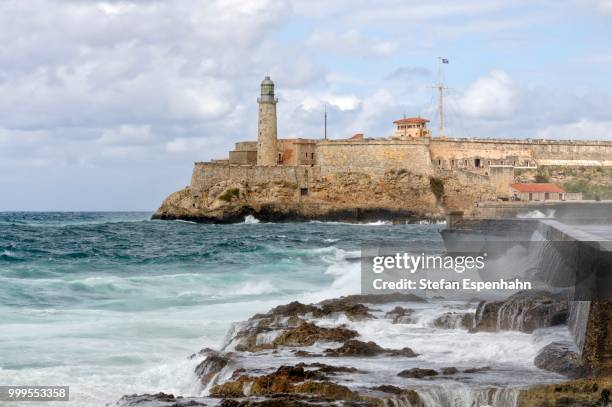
(411, 127)
(537, 192)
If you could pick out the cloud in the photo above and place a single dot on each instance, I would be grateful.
(408, 72)
(584, 129)
(350, 42)
(492, 97)
(124, 92)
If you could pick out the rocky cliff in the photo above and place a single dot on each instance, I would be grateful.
(398, 195)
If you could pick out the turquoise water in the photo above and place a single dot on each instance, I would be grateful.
(113, 303)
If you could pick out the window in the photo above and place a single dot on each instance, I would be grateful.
(477, 163)
(303, 191)
(312, 156)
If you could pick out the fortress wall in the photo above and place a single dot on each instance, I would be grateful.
(206, 174)
(499, 149)
(373, 156)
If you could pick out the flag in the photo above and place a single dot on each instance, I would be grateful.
(444, 60)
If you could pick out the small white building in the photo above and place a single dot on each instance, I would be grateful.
(537, 192)
(411, 127)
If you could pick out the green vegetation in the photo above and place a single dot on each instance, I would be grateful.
(589, 189)
(541, 176)
(229, 194)
(437, 187)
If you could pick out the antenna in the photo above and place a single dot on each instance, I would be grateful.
(325, 121)
(441, 88)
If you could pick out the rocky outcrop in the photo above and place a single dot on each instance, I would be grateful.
(455, 320)
(210, 367)
(355, 311)
(400, 315)
(559, 357)
(159, 400)
(591, 392)
(367, 349)
(416, 373)
(524, 311)
(308, 334)
(352, 197)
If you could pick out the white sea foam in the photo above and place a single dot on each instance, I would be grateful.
(537, 214)
(255, 288)
(250, 220)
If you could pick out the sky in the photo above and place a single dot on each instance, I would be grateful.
(106, 105)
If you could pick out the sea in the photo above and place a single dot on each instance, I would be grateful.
(115, 303)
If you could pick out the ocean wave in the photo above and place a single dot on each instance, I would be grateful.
(250, 220)
(537, 214)
(254, 288)
(374, 223)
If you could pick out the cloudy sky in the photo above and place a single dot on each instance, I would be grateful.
(106, 105)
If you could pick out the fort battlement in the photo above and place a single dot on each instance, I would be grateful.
(486, 163)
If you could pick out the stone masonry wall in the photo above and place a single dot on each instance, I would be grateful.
(373, 156)
(499, 149)
(208, 174)
(267, 149)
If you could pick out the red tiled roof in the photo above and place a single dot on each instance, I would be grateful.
(407, 120)
(537, 187)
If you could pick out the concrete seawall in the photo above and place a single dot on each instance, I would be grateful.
(576, 255)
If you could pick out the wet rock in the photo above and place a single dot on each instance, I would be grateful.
(201, 352)
(404, 396)
(559, 357)
(256, 335)
(329, 369)
(305, 354)
(449, 371)
(589, 392)
(211, 366)
(355, 311)
(367, 349)
(400, 315)
(417, 373)
(158, 400)
(281, 401)
(477, 369)
(356, 348)
(308, 334)
(286, 380)
(294, 308)
(377, 298)
(405, 352)
(525, 311)
(455, 320)
(387, 388)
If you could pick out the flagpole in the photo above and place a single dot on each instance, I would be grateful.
(441, 88)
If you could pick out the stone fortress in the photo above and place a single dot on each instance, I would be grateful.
(483, 168)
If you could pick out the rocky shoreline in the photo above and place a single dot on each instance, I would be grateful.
(282, 213)
(321, 355)
(396, 196)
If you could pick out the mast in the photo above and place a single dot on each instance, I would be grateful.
(326, 121)
(441, 88)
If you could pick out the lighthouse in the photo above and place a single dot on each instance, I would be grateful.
(267, 150)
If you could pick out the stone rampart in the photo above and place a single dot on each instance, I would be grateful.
(373, 156)
(207, 174)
